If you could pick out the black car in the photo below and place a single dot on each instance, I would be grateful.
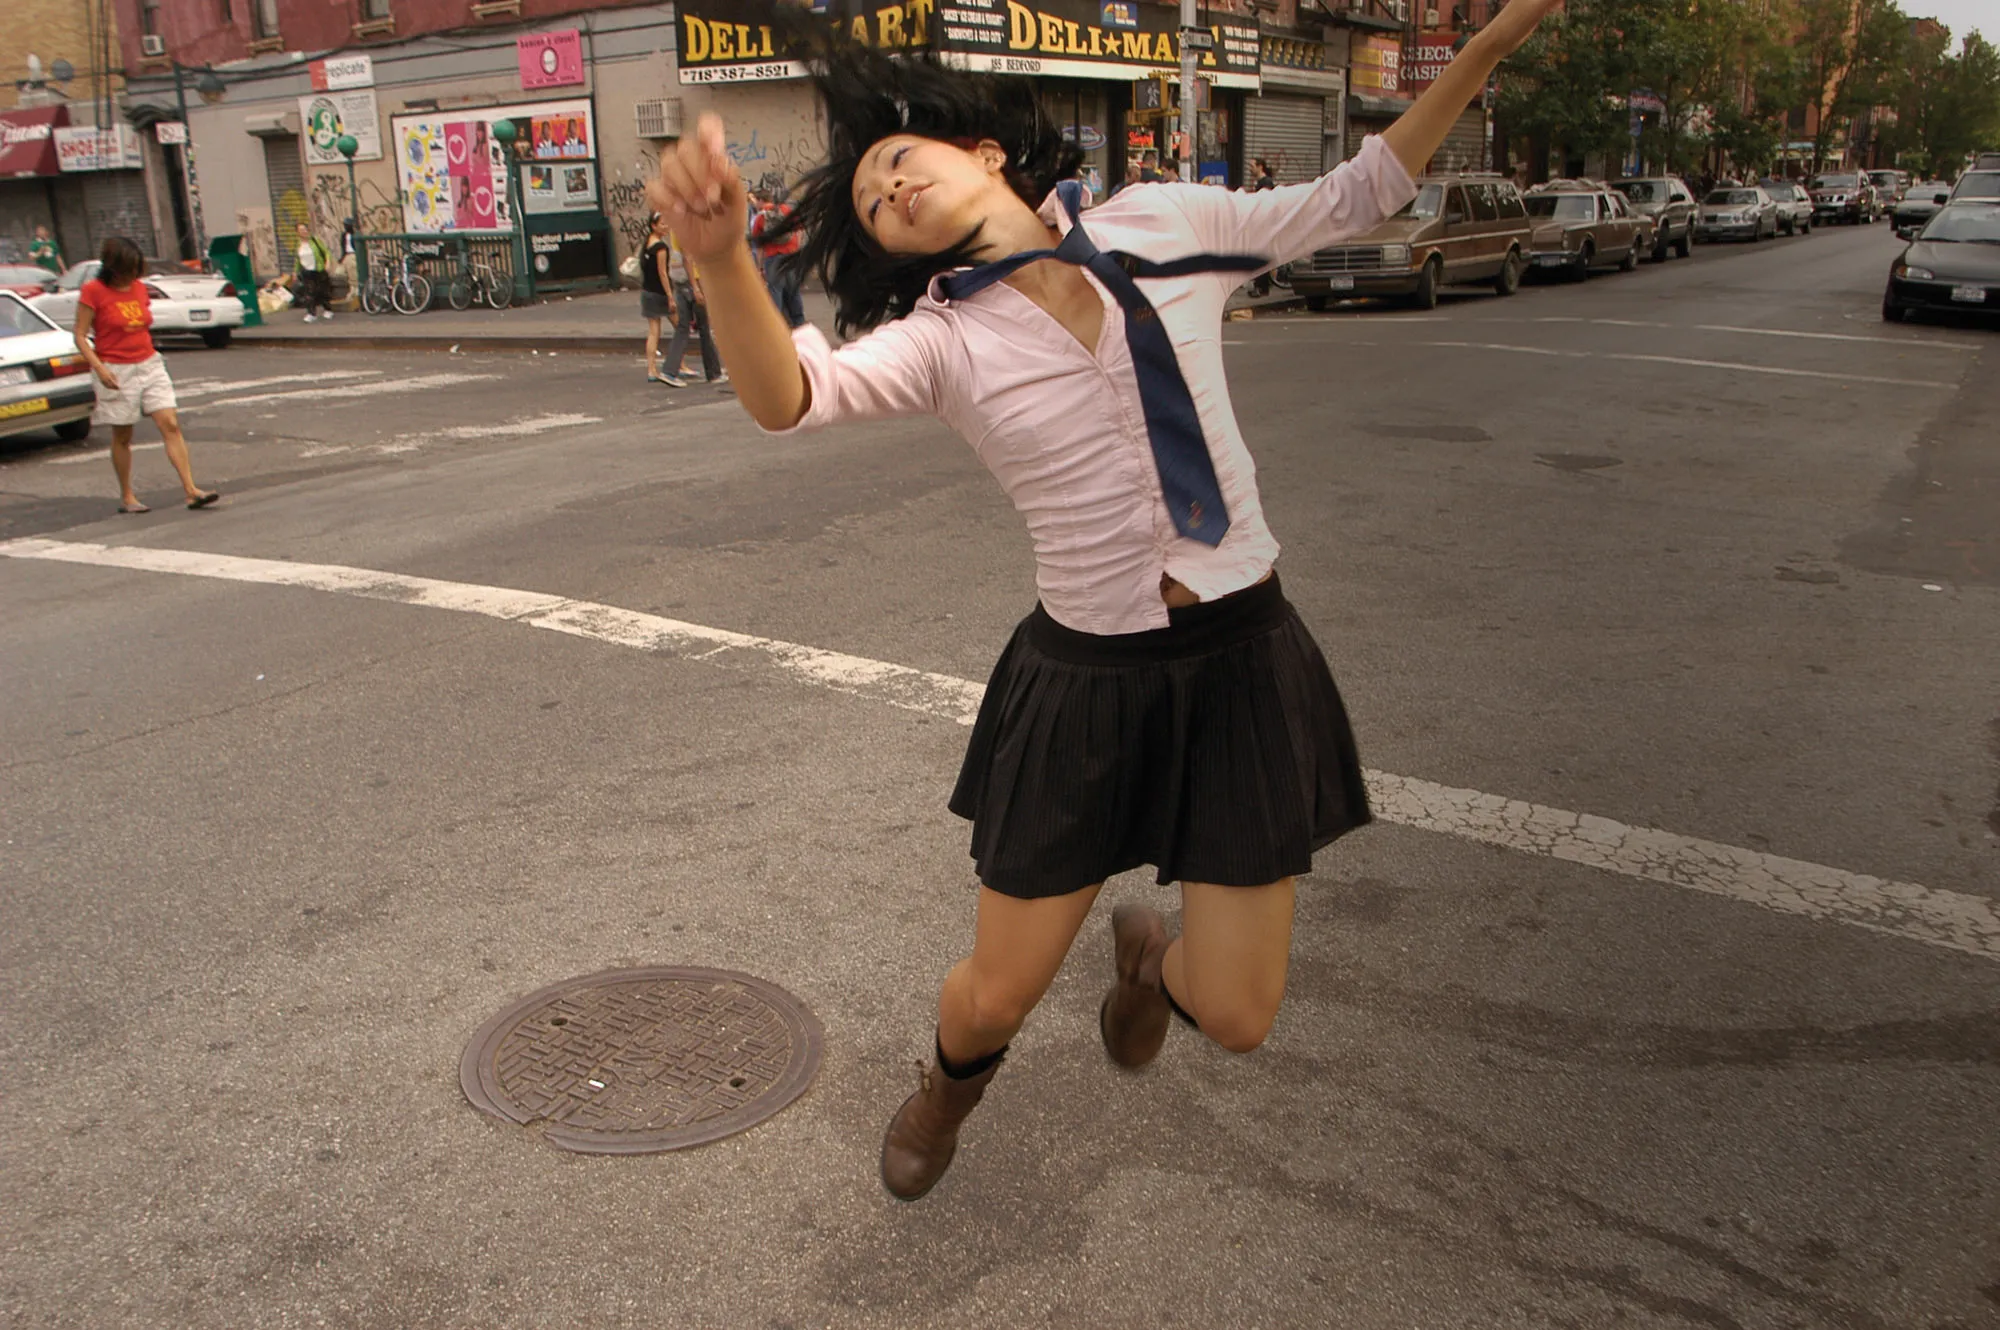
(1954, 263)
(1918, 206)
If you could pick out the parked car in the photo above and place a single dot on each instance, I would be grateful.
(1669, 206)
(1954, 263)
(1795, 206)
(1457, 230)
(1986, 161)
(1890, 186)
(26, 280)
(1580, 226)
(1980, 185)
(189, 304)
(1843, 196)
(1918, 205)
(44, 382)
(1740, 212)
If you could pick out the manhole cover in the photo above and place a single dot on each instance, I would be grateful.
(635, 1061)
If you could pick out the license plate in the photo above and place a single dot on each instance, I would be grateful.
(199, 315)
(1971, 295)
(1551, 260)
(15, 374)
(1340, 283)
(27, 408)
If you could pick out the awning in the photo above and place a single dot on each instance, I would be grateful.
(28, 141)
(1377, 108)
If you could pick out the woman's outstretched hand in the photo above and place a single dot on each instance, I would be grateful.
(1513, 24)
(701, 195)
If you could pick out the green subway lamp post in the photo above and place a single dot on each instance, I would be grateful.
(505, 132)
(347, 145)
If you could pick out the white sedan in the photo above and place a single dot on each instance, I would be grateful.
(185, 303)
(44, 383)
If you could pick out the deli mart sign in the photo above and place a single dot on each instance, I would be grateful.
(1065, 38)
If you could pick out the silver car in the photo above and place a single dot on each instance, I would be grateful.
(1736, 212)
(1795, 206)
(45, 383)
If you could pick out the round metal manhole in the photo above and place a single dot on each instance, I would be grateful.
(636, 1061)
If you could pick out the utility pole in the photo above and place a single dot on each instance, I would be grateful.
(186, 146)
(1190, 92)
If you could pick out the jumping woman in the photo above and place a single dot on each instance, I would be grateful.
(1163, 704)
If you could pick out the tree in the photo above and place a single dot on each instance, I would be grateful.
(1954, 106)
(1565, 88)
(1850, 56)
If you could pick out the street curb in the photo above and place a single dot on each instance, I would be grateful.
(589, 345)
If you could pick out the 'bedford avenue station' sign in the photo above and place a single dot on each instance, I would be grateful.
(1116, 39)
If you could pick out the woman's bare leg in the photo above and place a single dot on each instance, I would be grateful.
(121, 463)
(1227, 968)
(1016, 951)
(652, 347)
(169, 421)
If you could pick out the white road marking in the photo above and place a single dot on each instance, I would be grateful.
(1731, 365)
(1951, 920)
(97, 455)
(315, 395)
(204, 387)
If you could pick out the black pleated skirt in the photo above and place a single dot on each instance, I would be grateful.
(1215, 749)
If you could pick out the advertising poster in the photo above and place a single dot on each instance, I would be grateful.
(325, 116)
(453, 171)
(549, 59)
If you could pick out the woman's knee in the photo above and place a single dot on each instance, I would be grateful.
(1239, 1028)
(999, 1002)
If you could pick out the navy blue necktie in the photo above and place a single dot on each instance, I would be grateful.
(1173, 426)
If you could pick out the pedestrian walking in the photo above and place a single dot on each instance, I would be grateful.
(1163, 704)
(311, 281)
(776, 255)
(44, 252)
(656, 300)
(692, 317)
(114, 321)
(1265, 178)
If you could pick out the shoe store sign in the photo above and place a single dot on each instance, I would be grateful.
(1099, 39)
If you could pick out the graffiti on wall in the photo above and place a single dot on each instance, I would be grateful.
(625, 204)
(330, 205)
(260, 237)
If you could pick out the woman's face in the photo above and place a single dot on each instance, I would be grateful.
(921, 196)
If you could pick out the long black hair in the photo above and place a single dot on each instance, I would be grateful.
(869, 95)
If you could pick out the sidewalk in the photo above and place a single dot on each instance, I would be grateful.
(603, 322)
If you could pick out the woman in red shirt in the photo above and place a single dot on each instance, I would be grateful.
(114, 320)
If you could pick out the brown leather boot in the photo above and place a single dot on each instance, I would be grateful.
(923, 1135)
(1134, 1017)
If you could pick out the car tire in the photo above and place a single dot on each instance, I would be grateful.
(1317, 304)
(216, 338)
(1631, 259)
(1585, 257)
(1432, 277)
(74, 431)
(1509, 280)
(1660, 247)
(1685, 245)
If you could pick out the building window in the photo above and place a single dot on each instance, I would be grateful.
(264, 17)
(149, 18)
(228, 13)
(374, 9)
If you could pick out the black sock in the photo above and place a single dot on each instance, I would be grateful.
(1179, 1010)
(965, 1071)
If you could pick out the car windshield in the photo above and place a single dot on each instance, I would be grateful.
(1428, 203)
(74, 279)
(168, 268)
(1835, 182)
(1733, 197)
(21, 274)
(17, 319)
(1642, 191)
(1979, 185)
(1562, 205)
(1978, 226)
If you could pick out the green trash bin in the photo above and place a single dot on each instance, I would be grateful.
(226, 256)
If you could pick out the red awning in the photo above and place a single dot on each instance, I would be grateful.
(28, 141)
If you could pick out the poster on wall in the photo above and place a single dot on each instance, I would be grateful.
(325, 116)
(549, 59)
(453, 171)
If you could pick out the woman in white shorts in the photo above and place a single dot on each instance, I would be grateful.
(114, 322)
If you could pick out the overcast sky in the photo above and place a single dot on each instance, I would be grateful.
(1961, 16)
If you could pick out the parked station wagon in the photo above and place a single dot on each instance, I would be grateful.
(1457, 230)
(1580, 226)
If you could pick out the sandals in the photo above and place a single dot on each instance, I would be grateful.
(204, 500)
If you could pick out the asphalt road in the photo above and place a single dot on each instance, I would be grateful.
(1705, 549)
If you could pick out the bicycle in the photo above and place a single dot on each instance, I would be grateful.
(404, 290)
(475, 281)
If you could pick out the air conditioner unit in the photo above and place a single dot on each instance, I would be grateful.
(1402, 11)
(1430, 18)
(659, 118)
(151, 44)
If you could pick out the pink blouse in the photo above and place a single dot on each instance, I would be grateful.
(1062, 427)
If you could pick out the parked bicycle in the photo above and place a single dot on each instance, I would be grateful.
(402, 288)
(475, 280)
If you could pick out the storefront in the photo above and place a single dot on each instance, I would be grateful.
(1294, 123)
(452, 172)
(1465, 143)
(110, 163)
(33, 190)
(1376, 97)
(1086, 57)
